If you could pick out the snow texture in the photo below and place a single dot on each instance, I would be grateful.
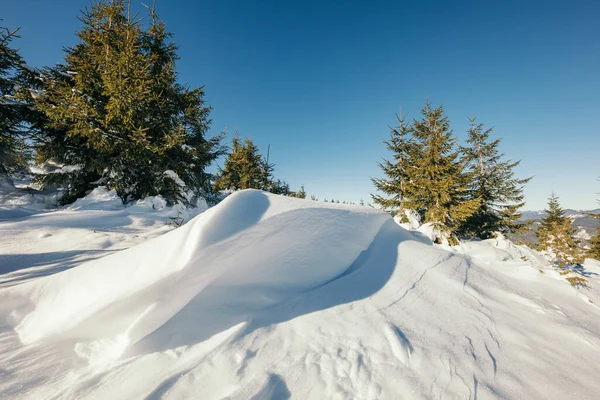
(268, 297)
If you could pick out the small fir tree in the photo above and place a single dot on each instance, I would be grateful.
(492, 180)
(556, 235)
(301, 194)
(243, 169)
(594, 251)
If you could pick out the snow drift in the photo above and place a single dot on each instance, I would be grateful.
(268, 297)
(110, 303)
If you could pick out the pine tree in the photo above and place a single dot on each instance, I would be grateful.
(492, 180)
(179, 117)
(118, 117)
(395, 186)
(301, 194)
(556, 235)
(15, 113)
(438, 190)
(594, 251)
(244, 168)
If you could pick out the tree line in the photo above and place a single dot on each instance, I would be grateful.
(465, 191)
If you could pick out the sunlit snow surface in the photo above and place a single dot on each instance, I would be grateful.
(270, 297)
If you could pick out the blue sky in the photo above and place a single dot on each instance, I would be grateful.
(320, 81)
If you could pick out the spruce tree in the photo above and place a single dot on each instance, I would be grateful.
(594, 251)
(244, 167)
(301, 194)
(395, 186)
(556, 235)
(118, 117)
(228, 177)
(438, 189)
(252, 171)
(16, 115)
(491, 179)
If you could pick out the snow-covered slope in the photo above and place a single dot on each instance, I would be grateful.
(270, 297)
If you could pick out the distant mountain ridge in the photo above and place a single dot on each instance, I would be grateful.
(537, 215)
(586, 226)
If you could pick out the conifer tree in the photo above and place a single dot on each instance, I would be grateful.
(118, 116)
(15, 113)
(491, 179)
(228, 177)
(301, 194)
(395, 186)
(556, 235)
(438, 190)
(594, 251)
(245, 169)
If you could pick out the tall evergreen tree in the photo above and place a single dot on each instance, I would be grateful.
(556, 235)
(438, 190)
(395, 186)
(119, 118)
(15, 113)
(492, 180)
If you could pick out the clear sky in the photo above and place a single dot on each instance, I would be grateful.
(320, 81)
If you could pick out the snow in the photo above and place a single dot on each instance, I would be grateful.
(98, 199)
(173, 175)
(264, 296)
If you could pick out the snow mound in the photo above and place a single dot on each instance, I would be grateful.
(265, 246)
(98, 199)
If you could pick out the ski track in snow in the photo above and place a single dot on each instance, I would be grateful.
(264, 297)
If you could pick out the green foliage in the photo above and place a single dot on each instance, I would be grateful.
(301, 194)
(15, 114)
(245, 169)
(594, 251)
(556, 235)
(116, 111)
(490, 179)
(426, 175)
(395, 186)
